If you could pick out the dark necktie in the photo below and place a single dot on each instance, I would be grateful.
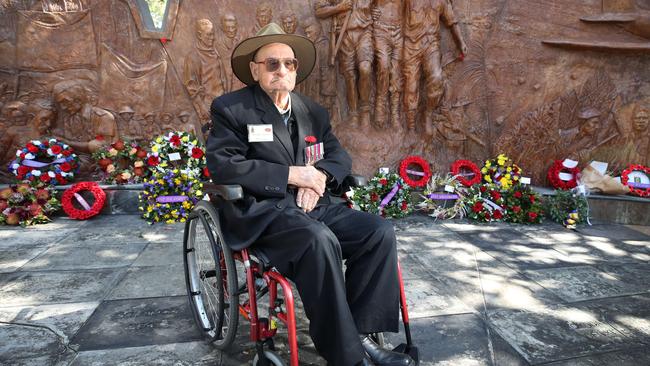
(293, 131)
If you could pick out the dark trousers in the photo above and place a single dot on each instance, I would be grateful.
(309, 249)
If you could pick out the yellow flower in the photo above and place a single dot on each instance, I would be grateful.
(187, 205)
(112, 152)
(199, 193)
(163, 165)
(501, 162)
(507, 176)
(177, 182)
(175, 171)
(488, 179)
(509, 169)
(487, 163)
(484, 170)
(154, 148)
(149, 209)
(516, 177)
(185, 138)
(183, 219)
(159, 140)
(505, 183)
(170, 221)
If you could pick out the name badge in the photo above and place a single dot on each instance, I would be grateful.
(260, 133)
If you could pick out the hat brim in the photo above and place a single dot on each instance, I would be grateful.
(243, 54)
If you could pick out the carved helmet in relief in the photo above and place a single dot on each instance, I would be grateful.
(245, 51)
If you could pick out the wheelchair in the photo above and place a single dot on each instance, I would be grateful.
(223, 284)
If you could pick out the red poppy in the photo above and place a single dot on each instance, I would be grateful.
(197, 153)
(45, 178)
(46, 143)
(483, 189)
(206, 172)
(32, 148)
(405, 206)
(56, 149)
(487, 216)
(310, 139)
(118, 145)
(383, 181)
(518, 194)
(516, 209)
(374, 197)
(497, 214)
(153, 160)
(495, 195)
(477, 207)
(175, 140)
(532, 216)
(531, 198)
(67, 152)
(60, 179)
(22, 170)
(66, 167)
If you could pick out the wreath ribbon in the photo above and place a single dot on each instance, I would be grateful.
(171, 199)
(82, 201)
(39, 164)
(442, 196)
(389, 196)
(414, 172)
(638, 185)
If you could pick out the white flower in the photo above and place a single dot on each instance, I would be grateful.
(53, 141)
(18, 152)
(36, 142)
(36, 173)
(51, 174)
(49, 151)
(29, 156)
(15, 166)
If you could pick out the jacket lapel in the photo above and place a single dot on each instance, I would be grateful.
(304, 126)
(270, 115)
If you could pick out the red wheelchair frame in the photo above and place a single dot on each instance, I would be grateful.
(212, 280)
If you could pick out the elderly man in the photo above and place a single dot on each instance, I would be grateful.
(286, 214)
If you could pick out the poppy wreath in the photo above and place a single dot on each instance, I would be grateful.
(85, 210)
(502, 172)
(443, 197)
(169, 197)
(638, 189)
(122, 162)
(461, 169)
(48, 161)
(424, 173)
(553, 176)
(386, 195)
(24, 204)
(177, 150)
(487, 202)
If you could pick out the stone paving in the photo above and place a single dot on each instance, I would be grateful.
(110, 291)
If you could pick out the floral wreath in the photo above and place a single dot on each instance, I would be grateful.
(49, 161)
(441, 190)
(169, 197)
(553, 176)
(487, 202)
(424, 174)
(501, 171)
(87, 210)
(177, 150)
(25, 205)
(122, 162)
(386, 194)
(459, 170)
(639, 189)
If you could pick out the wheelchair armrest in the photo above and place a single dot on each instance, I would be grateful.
(228, 192)
(355, 180)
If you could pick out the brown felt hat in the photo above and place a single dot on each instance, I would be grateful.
(243, 54)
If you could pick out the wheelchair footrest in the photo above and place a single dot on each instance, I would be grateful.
(409, 350)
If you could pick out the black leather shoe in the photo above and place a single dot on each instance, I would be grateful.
(383, 357)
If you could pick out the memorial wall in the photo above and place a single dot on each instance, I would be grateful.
(537, 80)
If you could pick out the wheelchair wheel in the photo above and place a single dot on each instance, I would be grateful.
(210, 276)
(273, 358)
(378, 338)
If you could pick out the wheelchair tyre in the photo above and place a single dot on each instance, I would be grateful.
(210, 276)
(273, 358)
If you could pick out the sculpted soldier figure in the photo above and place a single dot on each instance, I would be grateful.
(422, 54)
(388, 16)
(263, 16)
(352, 21)
(289, 22)
(225, 45)
(203, 72)
(322, 85)
(640, 121)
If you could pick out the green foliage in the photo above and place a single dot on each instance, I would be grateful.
(559, 206)
(369, 197)
(518, 203)
(157, 10)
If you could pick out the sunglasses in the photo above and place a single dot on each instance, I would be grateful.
(273, 64)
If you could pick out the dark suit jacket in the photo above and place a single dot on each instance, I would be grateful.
(262, 168)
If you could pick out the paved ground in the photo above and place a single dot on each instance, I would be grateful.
(110, 291)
